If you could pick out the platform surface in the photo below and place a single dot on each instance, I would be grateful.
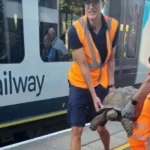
(90, 140)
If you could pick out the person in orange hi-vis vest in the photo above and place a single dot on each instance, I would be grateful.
(92, 39)
(140, 139)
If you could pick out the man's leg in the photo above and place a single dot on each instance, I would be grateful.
(76, 138)
(104, 135)
(101, 129)
(77, 111)
(103, 132)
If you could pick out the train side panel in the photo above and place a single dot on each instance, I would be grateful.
(144, 54)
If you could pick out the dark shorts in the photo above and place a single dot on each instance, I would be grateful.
(80, 105)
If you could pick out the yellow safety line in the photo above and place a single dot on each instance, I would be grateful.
(122, 147)
(32, 119)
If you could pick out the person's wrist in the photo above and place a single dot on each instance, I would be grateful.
(94, 96)
(111, 86)
(134, 102)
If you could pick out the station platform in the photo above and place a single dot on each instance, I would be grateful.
(61, 140)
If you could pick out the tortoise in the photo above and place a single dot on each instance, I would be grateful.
(113, 103)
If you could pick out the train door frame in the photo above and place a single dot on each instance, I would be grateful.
(127, 30)
(58, 25)
(127, 66)
(109, 10)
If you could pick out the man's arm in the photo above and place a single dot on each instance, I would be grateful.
(80, 58)
(111, 70)
(142, 93)
(134, 111)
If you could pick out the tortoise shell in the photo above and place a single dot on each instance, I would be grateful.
(118, 98)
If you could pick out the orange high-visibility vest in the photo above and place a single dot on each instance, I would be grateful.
(140, 140)
(98, 71)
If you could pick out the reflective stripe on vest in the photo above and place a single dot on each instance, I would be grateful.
(95, 64)
(140, 137)
(140, 126)
(148, 144)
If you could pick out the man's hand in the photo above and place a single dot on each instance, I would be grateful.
(97, 103)
(129, 111)
(111, 89)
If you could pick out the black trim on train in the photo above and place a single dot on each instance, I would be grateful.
(32, 109)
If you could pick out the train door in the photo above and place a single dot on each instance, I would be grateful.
(129, 13)
(130, 28)
(133, 13)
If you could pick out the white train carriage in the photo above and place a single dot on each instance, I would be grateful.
(31, 89)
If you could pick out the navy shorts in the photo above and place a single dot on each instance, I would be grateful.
(80, 105)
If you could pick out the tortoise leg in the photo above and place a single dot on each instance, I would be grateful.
(127, 125)
(98, 120)
(112, 115)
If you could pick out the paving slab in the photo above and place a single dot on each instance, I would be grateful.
(90, 140)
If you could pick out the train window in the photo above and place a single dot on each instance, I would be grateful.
(134, 14)
(68, 14)
(115, 13)
(11, 32)
(54, 23)
(48, 3)
(48, 16)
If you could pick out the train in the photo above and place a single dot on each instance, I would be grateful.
(33, 92)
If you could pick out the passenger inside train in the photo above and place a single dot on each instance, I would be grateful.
(49, 53)
(59, 45)
(54, 48)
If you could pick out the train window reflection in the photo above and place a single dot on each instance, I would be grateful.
(69, 12)
(11, 32)
(48, 3)
(54, 24)
(16, 1)
(134, 17)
